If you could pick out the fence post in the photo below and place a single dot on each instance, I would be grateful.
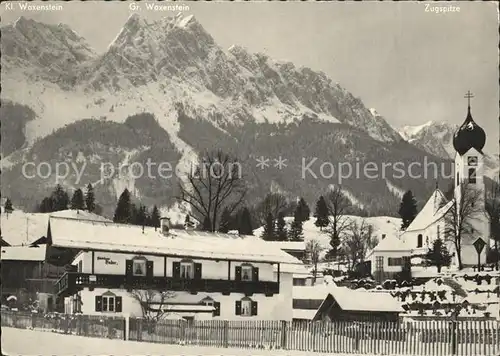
(453, 331)
(226, 334)
(283, 334)
(126, 327)
(33, 321)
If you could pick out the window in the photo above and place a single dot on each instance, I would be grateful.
(379, 263)
(139, 268)
(438, 232)
(108, 302)
(472, 161)
(80, 266)
(472, 175)
(299, 281)
(419, 240)
(395, 261)
(187, 270)
(458, 179)
(246, 273)
(246, 307)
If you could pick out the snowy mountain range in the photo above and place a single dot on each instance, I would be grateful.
(437, 139)
(166, 91)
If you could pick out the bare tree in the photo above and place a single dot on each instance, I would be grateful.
(152, 303)
(313, 251)
(357, 241)
(459, 219)
(338, 206)
(216, 184)
(493, 211)
(273, 204)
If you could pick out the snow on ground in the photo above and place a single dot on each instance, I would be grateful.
(16, 342)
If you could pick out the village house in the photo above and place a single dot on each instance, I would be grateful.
(329, 302)
(207, 275)
(431, 222)
(345, 304)
(26, 275)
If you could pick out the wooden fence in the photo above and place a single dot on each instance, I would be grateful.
(84, 325)
(430, 338)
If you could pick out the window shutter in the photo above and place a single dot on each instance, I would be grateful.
(197, 271)
(237, 309)
(254, 308)
(98, 303)
(255, 274)
(129, 264)
(176, 269)
(237, 275)
(118, 304)
(217, 309)
(149, 269)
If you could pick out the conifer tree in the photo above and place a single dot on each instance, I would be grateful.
(77, 201)
(60, 199)
(438, 255)
(225, 221)
(155, 217)
(281, 231)
(305, 212)
(90, 199)
(123, 212)
(46, 206)
(295, 233)
(8, 206)
(321, 213)
(269, 234)
(407, 209)
(245, 222)
(140, 215)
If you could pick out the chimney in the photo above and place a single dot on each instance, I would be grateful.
(165, 225)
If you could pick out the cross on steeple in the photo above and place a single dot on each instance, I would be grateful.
(468, 96)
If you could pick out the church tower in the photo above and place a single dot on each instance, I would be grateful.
(469, 141)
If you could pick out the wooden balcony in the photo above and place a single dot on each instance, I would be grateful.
(71, 282)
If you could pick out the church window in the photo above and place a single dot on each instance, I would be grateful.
(472, 175)
(420, 240)
(458, 178)
(438, 232)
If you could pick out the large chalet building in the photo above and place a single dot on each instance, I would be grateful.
(206, 275)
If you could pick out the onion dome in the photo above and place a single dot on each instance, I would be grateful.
(469, 135)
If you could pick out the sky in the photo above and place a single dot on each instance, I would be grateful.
(411, 64)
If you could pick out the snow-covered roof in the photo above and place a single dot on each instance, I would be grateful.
(359, 300)
(391, 243)
(23, 253)
(435, 208)
(20, 228)
(289, 245)
(108, 236)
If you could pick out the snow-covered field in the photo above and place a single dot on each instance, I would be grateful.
(16, 342)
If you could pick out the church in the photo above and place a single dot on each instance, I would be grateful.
(431, 223)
